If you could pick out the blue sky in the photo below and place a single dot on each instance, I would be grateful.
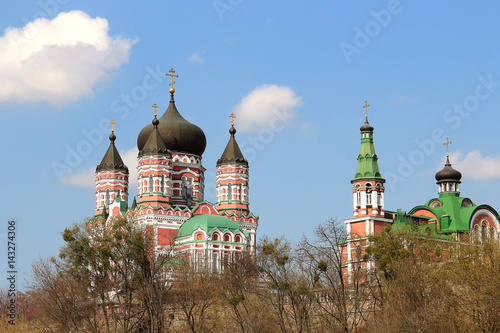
(295, 74)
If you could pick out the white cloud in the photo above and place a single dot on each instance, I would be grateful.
(86, 177)
(474, 165)
(81, 178)
(196, 57)
(269, 106)
(58, 60)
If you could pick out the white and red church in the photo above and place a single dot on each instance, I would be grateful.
(170, 203)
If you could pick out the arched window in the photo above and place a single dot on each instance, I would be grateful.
(119, 194)
(215, 236)
(150, 183)
(107, 197)
(227, 238)
(484, 229)
(368, 195)
(237, 239)
(477, 233)
(492, 234)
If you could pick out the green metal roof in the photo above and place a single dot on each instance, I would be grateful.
(367, 158)
(452, 216)
(208, 223)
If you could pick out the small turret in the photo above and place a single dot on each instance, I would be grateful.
(111, 176)
(448, 178)
(232, 177)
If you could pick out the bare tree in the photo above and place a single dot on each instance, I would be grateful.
(342, 306)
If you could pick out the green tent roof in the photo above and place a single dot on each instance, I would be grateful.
(367, 158)
(208, 223)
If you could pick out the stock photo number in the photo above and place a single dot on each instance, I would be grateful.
(11, 271)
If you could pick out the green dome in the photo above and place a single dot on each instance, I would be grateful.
(208, 223)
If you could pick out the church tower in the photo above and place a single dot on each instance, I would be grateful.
(186, 143)
(111, 178)
(368, 203)
(232, 187)
(232, 177)
(154, 169)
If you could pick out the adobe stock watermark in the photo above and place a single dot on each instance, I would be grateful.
(121, 107)
(453, 116)
(48, 10)
(373, 28)
(221, 7)
(251, 146)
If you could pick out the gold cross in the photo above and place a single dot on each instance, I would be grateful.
(366, 110)
(447, 143)
(156, 107)
(232, 116)
(171, 71)
(112, 122)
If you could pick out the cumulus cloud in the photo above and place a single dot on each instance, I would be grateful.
(474, 165)
(267, 106)
(58, 60)
(86, 177)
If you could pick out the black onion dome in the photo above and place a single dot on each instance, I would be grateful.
(177, 133)
(112, 159)
(232, 153)
(448, 173)
(366, 127)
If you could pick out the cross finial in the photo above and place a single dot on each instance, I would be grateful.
(232, 116)
(366, 109)
(171, 71)
(447, 143)
(112, 122)
(156, 107)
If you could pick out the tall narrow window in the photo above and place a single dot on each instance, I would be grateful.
(119, 194)
(241, 192)
(368, 195)
(379, 199)
(107, 197)
(183, 187)
(358, 198)
(189, 189)
(229, 191)
(199, 260)
(163, 187)
(226, 260)
(150, 183)
(214, 262)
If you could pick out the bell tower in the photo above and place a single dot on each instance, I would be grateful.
(368, 204)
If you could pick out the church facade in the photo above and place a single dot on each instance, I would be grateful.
(171, 203)
(447, 216)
